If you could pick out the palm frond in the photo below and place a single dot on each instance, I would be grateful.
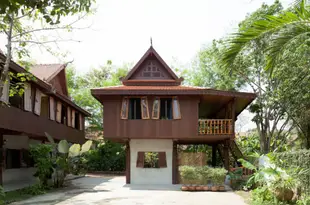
(270, 25)
(292, 34)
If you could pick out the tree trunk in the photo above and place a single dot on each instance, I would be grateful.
(5, 72)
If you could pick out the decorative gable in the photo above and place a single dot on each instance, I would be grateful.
(151, 68)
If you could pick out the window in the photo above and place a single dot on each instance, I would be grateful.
(151, 160)
(176, 108)
(76, 120)
(144, 108)
(134, 109)
(64, 115)
(166, 108)
(156, 107)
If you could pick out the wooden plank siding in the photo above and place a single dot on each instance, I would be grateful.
(115, 127)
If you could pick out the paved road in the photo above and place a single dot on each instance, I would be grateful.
(113, 191)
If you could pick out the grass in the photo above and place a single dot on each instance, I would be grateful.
(245, 195)
(22, 194)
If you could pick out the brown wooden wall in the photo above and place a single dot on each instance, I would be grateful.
(115, 127)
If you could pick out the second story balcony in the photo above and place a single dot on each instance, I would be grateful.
(215, 127)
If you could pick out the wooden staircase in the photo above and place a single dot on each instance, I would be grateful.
(234, 150)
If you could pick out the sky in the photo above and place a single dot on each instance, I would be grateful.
(120, 30)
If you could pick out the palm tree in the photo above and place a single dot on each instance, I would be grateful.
(284, 30)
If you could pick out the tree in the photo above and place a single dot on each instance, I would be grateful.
(284, 29)
(14, 14)
(79, 87)
(208, 72)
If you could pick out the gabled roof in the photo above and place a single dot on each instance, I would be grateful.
(46, 72)
(44, 85)
(150, 52)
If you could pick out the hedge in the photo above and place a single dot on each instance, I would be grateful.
(296, 159)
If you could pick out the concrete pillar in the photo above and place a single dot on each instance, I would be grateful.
(127, 162)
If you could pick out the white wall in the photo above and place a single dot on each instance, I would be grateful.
(150, 175)
(18, 142)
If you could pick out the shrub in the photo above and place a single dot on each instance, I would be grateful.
(218, 176)
(107, 156)
(188, 174)
(296, 160)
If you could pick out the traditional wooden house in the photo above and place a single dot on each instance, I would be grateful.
(45, 106)
(151, 112)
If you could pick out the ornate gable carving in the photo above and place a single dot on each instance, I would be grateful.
(151, 69)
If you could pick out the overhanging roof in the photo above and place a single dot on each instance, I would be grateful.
(46, 86)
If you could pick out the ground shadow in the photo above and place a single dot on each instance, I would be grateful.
(153, 187)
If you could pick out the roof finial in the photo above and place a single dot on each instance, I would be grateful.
(151, 42)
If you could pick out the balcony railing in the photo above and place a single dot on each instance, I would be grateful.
(215, 126)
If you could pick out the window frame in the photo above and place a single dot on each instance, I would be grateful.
(172, 106)
(142, 98)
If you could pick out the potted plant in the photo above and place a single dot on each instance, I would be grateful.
(188, 176)
(218, 179)
(205, 174)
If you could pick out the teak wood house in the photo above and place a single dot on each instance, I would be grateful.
(152, 113)
(44, 106)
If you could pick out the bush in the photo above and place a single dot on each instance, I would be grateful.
(107, 156)
(202, 175)
(296, 160)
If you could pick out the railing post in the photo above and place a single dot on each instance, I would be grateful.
(233, 115)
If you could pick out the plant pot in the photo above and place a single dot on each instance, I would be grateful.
(198, 188)
(215, 188)
(284, 194)
(205, 188)
(184, 188)
(222, 188)
(191, 188)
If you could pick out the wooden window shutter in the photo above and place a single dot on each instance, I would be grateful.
(145, 108)
(73, 118)
(69, 116)
(81, 121)
(124, 108)
(58, 112)
(37, 104)
(140, 160)
(52, 108)
(6, 92)
(27, 97)
(162, 161)
(156, 108)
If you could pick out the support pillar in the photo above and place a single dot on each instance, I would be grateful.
(175, 172)
(226, 154)
(214, 148)
(1, 159)
(127, 162)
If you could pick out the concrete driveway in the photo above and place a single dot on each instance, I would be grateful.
(92, 190)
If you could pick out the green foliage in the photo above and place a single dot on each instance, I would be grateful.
(208, 72)
(304, 200)
(151, 160)
(55, 161)
(202, 175)
(188, 174)
(248, 144)
(297, 161)
(43, 162)
(79, 87)
(50, 10)
(107, 156)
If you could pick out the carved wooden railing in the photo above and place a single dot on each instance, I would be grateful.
(215, 126)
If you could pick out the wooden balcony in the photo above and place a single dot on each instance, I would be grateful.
(215, 127)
